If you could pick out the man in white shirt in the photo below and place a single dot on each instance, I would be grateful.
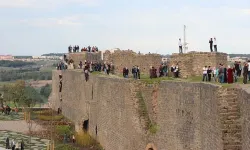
(204, 70)
(215, 44)
(180, 46)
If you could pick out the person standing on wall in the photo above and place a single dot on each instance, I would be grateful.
(211, 44)
(248, 64)
(245, 72)
(209, 73)
(180, 46)
(204, 78)
(215, 44)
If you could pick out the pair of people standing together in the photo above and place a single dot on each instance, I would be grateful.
(213, 43)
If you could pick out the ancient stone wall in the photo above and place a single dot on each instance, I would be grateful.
(128, 58)
(187, 115)
(82, 56)
(244, 101)
(191, 64)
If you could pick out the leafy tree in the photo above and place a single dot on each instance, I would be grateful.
(17, 91)
(46, 90)
(31, 97)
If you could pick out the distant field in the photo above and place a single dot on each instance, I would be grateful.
(40, 83)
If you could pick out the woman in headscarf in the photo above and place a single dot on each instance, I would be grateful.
(230, 78)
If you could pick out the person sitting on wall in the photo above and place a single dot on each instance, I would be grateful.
(96, 49)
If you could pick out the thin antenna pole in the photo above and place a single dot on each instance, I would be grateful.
(184, 44)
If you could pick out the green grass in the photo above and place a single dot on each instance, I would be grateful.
(47, 69)
(49, 118)
(62, 129)
(65, 147)
(143, 112)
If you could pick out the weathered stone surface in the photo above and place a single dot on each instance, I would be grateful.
(191, 64)
(82, 56)
(128, 58)
(189, 116)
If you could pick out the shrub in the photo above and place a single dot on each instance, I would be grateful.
(62, 129)
(153, 128)
(49, 118)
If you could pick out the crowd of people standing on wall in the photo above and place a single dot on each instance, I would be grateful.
(135, 72)
(226, 74)
(76, 48)
(153, 71)
(89, 67)
(14, 145)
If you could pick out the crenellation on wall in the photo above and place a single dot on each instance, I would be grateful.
(129, 58)
(88, 56)
(191, 64)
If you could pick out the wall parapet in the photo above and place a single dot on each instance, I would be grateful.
(191, 64)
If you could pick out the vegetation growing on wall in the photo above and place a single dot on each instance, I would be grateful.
(143, 112)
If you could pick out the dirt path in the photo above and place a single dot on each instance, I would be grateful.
(18, 126)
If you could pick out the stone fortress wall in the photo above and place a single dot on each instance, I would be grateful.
(128, 58)
(191, 64)
(82, 56)
(189, 116)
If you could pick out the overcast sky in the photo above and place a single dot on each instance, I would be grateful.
(34, 27)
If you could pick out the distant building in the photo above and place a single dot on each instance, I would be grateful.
(164, 60)
(241, 59)
(6, 57)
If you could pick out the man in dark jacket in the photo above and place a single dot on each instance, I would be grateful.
(211, 44)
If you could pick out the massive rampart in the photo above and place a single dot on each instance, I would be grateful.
(82, 56)
(191, 64)
(121, 113)
(128, 58)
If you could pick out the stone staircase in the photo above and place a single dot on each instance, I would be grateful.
(141, 115)
(229, 112)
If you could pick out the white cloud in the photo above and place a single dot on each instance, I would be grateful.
(245, 11)
(72, 20)
(44, 3)
(50, 22)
